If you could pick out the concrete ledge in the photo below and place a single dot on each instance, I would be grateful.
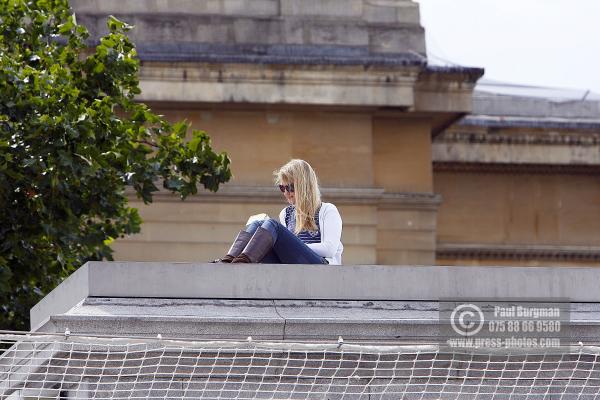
(229, 193)
(371, 321)
(590, 254)
(513, 153)
(312, 282)
(64, 297)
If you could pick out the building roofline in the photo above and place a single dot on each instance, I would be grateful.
(497, 121)
(463, 73)
(274, 54)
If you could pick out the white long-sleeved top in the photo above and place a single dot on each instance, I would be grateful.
(330, 224)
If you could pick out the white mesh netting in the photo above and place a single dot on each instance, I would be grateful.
(34, 366)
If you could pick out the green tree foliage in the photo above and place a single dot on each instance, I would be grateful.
(72, 139)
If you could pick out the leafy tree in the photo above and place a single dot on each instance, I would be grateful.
(72, 139)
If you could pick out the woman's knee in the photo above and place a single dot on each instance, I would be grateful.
(273, 226)
(253, 226)
(270, 223)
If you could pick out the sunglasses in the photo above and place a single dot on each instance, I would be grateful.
(289, 188)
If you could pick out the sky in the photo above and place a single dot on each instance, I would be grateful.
(552, 43)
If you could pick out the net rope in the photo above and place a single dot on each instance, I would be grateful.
(75, 367)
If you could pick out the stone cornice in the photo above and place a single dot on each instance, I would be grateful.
(516, 153)
(506, 168)
(283, 74)
(281, 84)
(275, 54)
(518, 252)
(574, 139)
(507, 121)
(468, 75)
(341, 196)
(449, 90)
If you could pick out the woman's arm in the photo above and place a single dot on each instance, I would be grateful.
(282, 217)
(331, 233)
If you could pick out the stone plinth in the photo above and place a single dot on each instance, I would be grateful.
(295, 315)
(295, 302)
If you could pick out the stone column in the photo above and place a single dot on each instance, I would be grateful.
(406, 217)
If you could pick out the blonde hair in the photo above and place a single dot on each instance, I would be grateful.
(306, 189)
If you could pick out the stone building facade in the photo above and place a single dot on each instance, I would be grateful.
(345, 85)
(520, 179)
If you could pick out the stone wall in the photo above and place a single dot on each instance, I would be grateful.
(519, 182)
(386, 26)
(376, 170)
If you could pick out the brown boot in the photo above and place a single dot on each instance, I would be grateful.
(236, 248)
(257, 247)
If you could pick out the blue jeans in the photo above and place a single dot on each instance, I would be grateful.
(287, 247)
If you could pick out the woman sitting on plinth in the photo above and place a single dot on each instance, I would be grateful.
(308, 231)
